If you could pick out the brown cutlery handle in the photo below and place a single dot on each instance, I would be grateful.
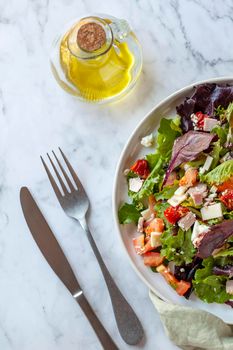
(99, 329)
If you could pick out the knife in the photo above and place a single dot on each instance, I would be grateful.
(50, 248)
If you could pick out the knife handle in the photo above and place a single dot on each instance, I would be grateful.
(99, 329)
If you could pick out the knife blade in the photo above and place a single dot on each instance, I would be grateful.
(47, 242)
(55, 257)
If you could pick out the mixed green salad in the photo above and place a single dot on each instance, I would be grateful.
(182, 197)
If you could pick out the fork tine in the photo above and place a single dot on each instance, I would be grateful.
(58, 176)
(64, 173)
(73, 173)
(52, 181)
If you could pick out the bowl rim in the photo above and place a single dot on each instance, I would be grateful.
(223, 79)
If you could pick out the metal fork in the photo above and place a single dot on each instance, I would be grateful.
(75, 203)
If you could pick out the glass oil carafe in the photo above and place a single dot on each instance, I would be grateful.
(98, 59)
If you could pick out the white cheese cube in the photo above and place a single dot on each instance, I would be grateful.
(212, 212)
(180, 190)
(146, 214)
(176, 200)
(147, 141)
(207, 164)
(155, 239)
(135, 184)
(197, 230)
(209, 124)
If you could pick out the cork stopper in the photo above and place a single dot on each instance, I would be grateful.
(91, 37)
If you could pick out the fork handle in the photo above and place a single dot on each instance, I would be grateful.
(128, 323)
(104, 338)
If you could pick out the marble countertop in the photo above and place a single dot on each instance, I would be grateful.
(183, 41)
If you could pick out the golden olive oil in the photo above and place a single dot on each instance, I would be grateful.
(100, 77)
(97, 59)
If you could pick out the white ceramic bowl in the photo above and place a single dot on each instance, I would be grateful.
(132, 151)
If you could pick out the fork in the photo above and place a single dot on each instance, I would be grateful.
(75, 203)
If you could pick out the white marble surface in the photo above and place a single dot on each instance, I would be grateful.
(183, 41)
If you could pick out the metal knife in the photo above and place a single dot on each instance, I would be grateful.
(54, 255)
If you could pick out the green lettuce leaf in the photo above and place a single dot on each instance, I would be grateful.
(152, 159)
(178, 248)
(225, 252)
(220, 174)
(208, 287)
(168, 131)
(167, 192)
(229, 116)
(228, 214)
(215, 154)
(223, 261)
(128, 213)
(160, 207)
(222, 132)
(220, 112)
(149, 184)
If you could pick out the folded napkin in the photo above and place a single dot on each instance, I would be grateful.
(193, 329)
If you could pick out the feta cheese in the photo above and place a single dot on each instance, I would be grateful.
(155, 239)
(212, 212)
(147, 141)
(176, 200)
(209, 124)
(197, 230)
(206, 165)
(135, 184)
(180, 190)
(146, 214)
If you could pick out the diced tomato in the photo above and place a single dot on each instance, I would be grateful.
(155, 225)
(181, 287)
(141, 168)
(200, 122)
(189, 178)
(171, 178)
(138, 243)
(227, 199)
(173, 214)
(152, 202)
(153, 259)
(227, 185)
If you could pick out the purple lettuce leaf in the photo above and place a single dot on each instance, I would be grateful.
(214, 238)
(205, 99)
(227, 270)
(187, 147)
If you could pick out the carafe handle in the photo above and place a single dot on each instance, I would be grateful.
(120, 29)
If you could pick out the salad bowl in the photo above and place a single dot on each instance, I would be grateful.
(132, 151)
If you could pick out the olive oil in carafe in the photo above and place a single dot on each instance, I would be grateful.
(102, 77)
(98, 59)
